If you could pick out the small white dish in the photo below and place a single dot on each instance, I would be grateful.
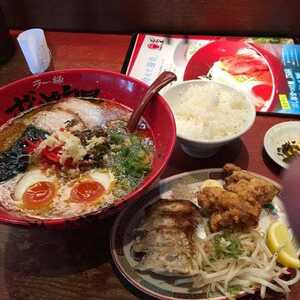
(200, 147)
(278, 135)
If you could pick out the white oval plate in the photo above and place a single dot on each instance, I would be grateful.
(122, 236)
(278, 135)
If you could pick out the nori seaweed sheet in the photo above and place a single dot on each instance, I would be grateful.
(14, 161)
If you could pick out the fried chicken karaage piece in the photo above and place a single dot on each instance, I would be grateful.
(248, 185)
(238, 205)
(228, 209)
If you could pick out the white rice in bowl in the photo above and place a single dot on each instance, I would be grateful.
(210, 112)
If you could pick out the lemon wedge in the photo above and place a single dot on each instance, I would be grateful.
(279, 240)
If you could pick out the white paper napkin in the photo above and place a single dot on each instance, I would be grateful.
(34, 47)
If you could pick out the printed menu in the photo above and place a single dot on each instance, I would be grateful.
(267, 69)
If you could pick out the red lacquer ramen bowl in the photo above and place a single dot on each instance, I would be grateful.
(33, 91)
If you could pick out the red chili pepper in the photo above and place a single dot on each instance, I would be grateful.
(30, 145)
(51, 154)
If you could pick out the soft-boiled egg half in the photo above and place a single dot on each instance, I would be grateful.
(46, 196)
(35, 190)
(90, 187)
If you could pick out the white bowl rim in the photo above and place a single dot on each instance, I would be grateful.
(268, 136)
(227, 138)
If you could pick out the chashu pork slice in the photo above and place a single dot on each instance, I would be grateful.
(53, 120)
(91, 114)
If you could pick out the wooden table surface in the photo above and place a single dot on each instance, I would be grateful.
(75, 264)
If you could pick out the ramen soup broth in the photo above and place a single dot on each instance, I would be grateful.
(71, 158)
